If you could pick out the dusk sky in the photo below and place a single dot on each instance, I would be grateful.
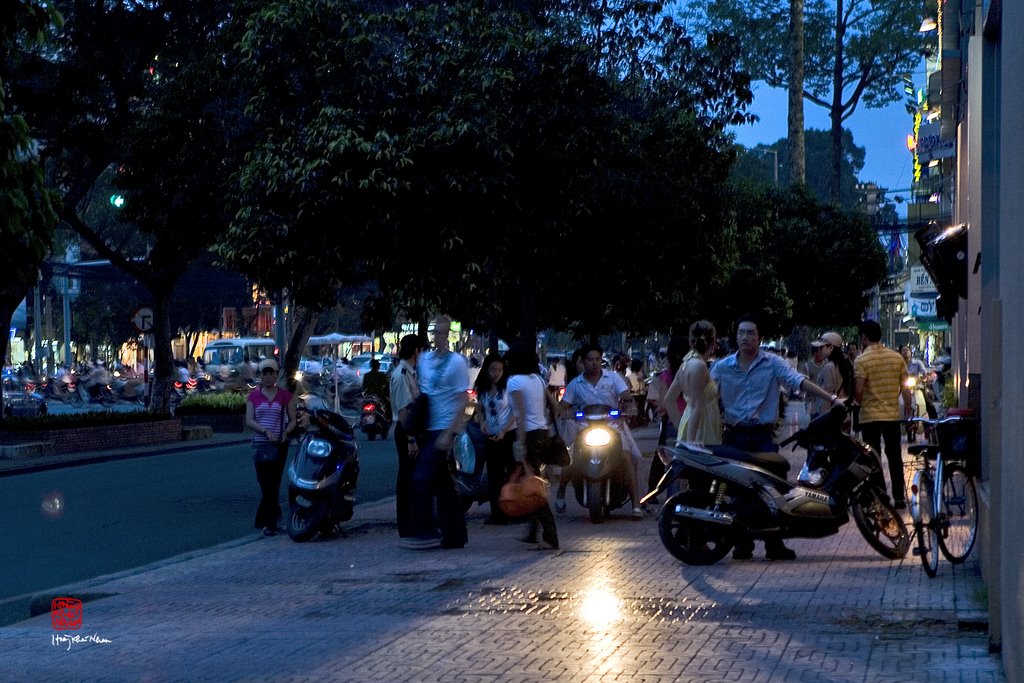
(881, 132)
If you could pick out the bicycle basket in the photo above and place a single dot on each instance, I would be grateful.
(959, 441)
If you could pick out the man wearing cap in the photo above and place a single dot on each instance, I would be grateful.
(748, 383)
(828, 378)
(270, 413)
(880, 377)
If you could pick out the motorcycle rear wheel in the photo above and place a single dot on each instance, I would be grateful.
(880, 525)
(690, 541)
(304, 523)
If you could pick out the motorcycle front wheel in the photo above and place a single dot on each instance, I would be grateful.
(880, 525)
(688, 540)
(304, 523)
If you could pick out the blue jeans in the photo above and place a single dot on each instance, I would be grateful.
(432, 479)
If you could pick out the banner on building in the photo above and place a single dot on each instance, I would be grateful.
(930, 144)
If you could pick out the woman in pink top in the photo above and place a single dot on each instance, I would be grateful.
(270, 413)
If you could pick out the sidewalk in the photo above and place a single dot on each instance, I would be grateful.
(611, 605)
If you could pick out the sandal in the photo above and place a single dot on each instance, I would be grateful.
(638, 513)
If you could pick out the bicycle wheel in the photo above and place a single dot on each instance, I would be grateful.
(927, 536)
(958, 515)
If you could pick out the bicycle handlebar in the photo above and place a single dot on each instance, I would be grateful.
(930, 421)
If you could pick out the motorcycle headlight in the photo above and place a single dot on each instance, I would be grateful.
(815, 477)
(318, 448)
(598, 436)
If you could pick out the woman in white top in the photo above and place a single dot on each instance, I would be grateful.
(529, 395)
(498, 423)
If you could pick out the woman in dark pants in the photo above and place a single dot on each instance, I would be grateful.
(270, 413)
(529, 395)
(497, 422)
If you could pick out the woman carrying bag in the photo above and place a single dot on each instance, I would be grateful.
(529, 396)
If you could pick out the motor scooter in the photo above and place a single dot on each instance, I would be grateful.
(322, 476)
(596, 471)
(373, 418)
(733, 494)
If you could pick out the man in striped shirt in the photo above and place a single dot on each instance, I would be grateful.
(880, 376)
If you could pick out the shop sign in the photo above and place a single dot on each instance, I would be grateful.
(920, 281)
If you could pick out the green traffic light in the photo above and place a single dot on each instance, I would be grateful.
(117, 201)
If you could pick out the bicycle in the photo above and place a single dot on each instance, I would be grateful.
(944, 497)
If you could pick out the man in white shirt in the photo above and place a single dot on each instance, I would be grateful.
(444, 377)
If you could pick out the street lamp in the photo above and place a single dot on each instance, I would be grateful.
(775, 164)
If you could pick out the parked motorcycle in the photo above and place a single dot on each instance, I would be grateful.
(596, 471)
(732, 493)
(322, 476)
(373, 418)
(64, 389)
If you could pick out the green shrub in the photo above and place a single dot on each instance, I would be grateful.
(212, 404)
(78, 420)
(949, 396)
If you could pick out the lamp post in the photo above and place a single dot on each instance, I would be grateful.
(775, 161)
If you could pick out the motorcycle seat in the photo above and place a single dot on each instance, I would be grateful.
(773, 462)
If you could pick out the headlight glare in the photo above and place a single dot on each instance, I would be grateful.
(318, 448)
(597, 436)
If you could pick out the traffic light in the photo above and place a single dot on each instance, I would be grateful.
(117, 201)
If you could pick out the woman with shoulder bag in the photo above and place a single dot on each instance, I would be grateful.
(498, 423)
(529, 395)
(270, 413)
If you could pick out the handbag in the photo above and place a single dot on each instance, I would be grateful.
(417, 416)
(523, 493)
(556, 453)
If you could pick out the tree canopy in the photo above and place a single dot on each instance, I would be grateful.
(28, 209)
(470, 144)
(855, 51)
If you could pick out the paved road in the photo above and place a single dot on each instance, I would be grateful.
(73, 523)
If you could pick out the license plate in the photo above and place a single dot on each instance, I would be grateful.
(368, 419)
(302, 501)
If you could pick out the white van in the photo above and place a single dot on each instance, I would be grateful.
(231, 352)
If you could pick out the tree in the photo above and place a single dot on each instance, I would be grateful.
(792, 248)
(141, 90)
(476, 141)
(27, 207)
(756, 164)
(855, 51)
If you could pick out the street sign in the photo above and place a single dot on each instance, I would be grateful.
(143, 319)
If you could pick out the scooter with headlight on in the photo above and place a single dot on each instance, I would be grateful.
(323, 475)
(596, 472)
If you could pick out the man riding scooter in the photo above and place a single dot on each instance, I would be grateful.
(597, 386)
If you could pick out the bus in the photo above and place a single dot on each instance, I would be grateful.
(230, 352)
